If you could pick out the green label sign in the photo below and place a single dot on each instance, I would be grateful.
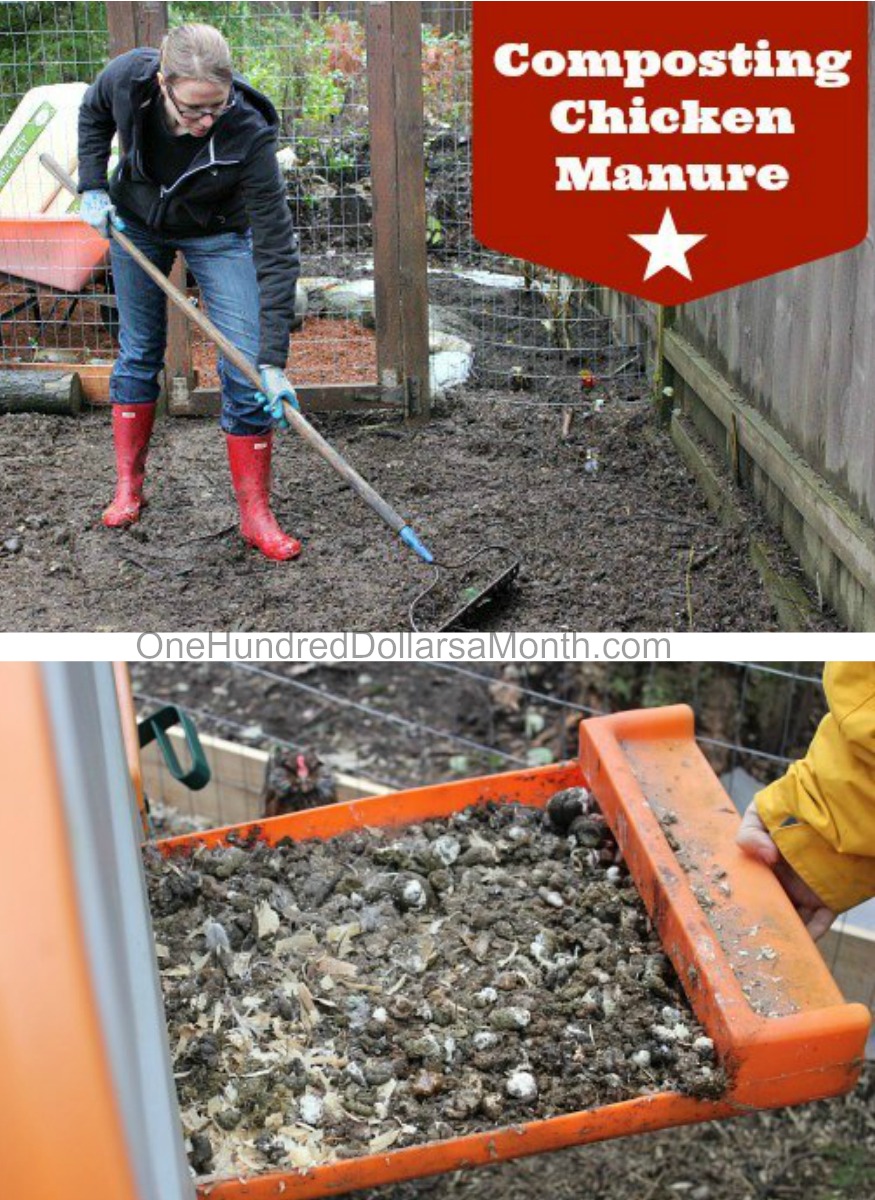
(11, 160)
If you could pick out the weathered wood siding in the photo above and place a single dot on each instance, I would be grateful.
(799, 347)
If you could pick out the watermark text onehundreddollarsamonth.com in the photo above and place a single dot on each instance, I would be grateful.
(405, 647)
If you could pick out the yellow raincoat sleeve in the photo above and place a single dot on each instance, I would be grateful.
(821, 814)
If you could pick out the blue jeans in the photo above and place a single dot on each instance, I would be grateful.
(225, 272)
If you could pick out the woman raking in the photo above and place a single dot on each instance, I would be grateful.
(198, 174)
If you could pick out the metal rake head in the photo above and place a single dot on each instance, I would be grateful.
(455, 597)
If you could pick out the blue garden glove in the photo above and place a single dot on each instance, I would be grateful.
(274, 389)
(98, 211)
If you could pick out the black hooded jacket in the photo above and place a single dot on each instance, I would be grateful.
(233, 183)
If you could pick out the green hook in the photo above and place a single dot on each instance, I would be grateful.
(154, 729)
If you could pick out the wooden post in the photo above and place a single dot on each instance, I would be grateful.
(394, 45)
(135, 24)
(121, 26)
(144, 23)
(662, 372)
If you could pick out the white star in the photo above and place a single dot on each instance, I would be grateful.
(668, 248)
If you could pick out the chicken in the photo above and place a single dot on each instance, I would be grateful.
(294, 781)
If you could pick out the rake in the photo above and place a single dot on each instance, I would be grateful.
(468, 600)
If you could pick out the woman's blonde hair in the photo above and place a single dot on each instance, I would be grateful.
(196, 52)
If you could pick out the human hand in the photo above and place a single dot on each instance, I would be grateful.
(275, 388)
(98, 211)
(756, 841)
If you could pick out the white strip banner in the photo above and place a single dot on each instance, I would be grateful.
(230, 646)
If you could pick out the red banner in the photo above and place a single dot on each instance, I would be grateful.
(670, 150)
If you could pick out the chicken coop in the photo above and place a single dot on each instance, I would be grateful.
(397, 302)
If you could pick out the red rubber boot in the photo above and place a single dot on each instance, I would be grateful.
(249, 459)
(131, 430)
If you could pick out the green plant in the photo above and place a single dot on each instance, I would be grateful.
(434, 235)
(65, 43)
(304, 64)
(446, 67)
(853, 1174)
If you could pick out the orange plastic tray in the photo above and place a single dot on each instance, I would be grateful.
(62, 252)
(754, 978)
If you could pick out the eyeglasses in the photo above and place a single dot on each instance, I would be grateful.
(189, 113)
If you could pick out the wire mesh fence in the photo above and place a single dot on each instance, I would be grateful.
(55, 304)
(401, 726)
(537, 333)
(311, 60)
(531, 335)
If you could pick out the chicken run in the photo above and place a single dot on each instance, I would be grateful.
(542, 434)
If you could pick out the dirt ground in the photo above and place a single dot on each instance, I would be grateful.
(823, 1151)
(630, 546)
(405, 725)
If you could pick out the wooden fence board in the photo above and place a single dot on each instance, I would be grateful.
(799, 348)
(237, 775)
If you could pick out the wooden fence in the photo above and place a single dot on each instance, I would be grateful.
(778, 378)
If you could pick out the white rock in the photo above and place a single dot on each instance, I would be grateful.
(492, 279)
(312, 1108)
(356, 1074)
(438, 341)
(447, 849)
(522, 1086)
(352, 299)
(287, 158)
(414, 894)
(484, 1039)
(663, 1033)
(319, 283)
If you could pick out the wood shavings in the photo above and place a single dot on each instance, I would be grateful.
(340, 1020)
(268, 921)
(383, 1141)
